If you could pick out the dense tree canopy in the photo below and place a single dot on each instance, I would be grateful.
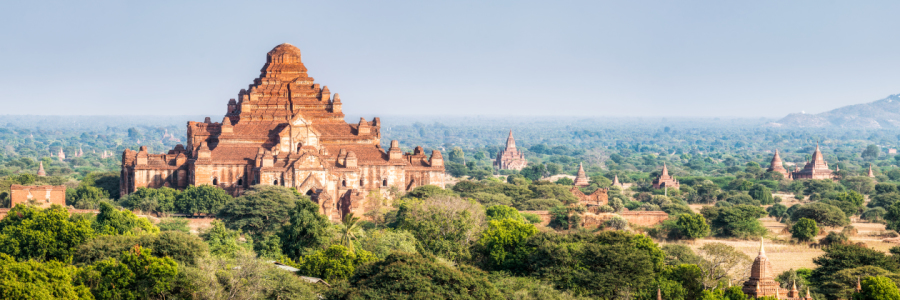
(42, 234)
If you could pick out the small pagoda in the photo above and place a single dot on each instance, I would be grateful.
(777, 165)
(581, 180)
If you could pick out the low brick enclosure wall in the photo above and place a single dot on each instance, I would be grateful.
(645, 218)
(639, 218)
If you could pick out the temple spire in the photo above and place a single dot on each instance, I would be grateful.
(41, 171)
(762, 249)
(581, 179)
(510, 142)
(665, 171)
(858, 285)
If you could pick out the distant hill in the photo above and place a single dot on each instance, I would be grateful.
(884, 113)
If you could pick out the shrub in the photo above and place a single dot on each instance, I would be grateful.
(335, 263)
(805, 229)
(531, 218)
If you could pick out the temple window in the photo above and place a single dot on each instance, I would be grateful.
(215, 181)
(384, 182)
(240, 181)
(343, 183)
(275, 182)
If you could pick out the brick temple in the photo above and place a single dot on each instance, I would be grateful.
(762, 281)
(664, 180)
(510, 158)
(816, 168)
(777, 166)
(287, 130)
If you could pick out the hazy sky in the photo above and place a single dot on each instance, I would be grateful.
(591, 58)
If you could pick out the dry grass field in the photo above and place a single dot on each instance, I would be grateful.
(785, 255)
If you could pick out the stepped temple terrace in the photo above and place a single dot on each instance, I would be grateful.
(287, 130)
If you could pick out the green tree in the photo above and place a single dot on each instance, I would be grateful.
(840, 257)
(135, 275)
(428, 191)
(878, 288)
(688, 276)
(692, 226)
(201, 199)
(147, 199)
(443, 225)
(174, 224)
(42, 234)
(113, 221)
(605, 265)
(306, 232)
(500, 212)
(34, 280)
(457, 155)
(871, 152)
(502, 245)
(823, 214)
(736, 221)
(533, 172)
(860, 184)
(777, 211)
(720, 262)
(334, 263)
(382, 242)
(805, 229)
(566, 217)
(565, 181)
(183, 247)
(87, 197)
(412, 276)
(107, 181)
(350, 231)
(260, 211)
(223, 241)
(762, 194)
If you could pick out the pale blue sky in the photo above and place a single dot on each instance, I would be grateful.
(589, 58)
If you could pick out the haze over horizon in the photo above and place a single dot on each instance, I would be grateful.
(510, 58)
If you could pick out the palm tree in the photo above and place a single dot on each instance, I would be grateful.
(351, 225)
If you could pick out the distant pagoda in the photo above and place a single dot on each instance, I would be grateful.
(664, 180)
(581, 180)
(778, 166)
(510, 158)
(817, 168)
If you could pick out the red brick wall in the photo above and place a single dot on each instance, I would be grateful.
(645, 218)
(43, 196)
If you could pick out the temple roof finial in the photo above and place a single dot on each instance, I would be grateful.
(762, 249)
